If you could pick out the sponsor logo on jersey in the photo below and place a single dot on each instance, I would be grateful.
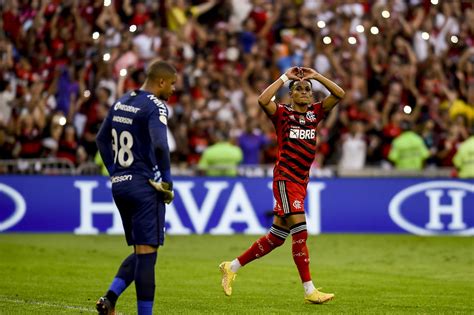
(159, 103)
(122, 178)
(445, 208)
(126, 108)
(302, 120)
(310, 116)
(302, 134)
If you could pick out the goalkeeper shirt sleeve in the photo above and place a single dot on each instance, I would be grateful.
(158, 135)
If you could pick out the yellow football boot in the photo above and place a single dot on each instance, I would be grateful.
(228, 276)
(318, 297)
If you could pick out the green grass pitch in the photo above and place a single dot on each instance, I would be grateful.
(370, 274)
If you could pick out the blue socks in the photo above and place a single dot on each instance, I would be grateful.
(145, 282)
(141, 268)
(122, 280)
(145, 307)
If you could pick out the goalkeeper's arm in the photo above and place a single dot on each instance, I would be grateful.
(159, 142)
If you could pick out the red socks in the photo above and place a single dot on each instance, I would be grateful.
(276, 237)
(300, 250)
(264, 245)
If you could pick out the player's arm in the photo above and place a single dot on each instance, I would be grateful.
(265, 99)
(159, 141)
(104, 143)
(337, 93)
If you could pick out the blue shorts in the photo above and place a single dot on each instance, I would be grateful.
(142, 210)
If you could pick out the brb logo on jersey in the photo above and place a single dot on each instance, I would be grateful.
(302, 134)
(447, 207)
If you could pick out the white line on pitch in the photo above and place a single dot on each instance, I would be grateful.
(41, 303)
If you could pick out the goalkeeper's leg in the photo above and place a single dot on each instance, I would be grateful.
(125, 275)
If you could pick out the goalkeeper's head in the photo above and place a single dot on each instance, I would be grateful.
(160, 79)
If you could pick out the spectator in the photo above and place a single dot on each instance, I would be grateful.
(69, 149)
(29, 138)
(354, 148)
(6, 97)
(408, 151)
(464, 158)
(252, 142)
(221, 158)
(100, 163)
(148, 43)
(66, 56)
(53, 136)
(449, 145)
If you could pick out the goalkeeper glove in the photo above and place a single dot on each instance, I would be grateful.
(165, 188)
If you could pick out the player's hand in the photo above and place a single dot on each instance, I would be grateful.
(309, 73)
(165, 188)
(294, 74)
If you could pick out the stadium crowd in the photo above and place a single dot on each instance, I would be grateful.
(63, 63)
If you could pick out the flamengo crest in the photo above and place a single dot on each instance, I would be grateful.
(310, 116)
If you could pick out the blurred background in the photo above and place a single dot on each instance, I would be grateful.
(405, 66)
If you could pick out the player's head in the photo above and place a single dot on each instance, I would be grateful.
(161, 78)
(301, 92)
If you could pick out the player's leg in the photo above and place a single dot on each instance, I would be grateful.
(145, 278)
(122, 280)
(299, 248)
(148, 228)
(293, 196)
(275, 238)
(126, 272)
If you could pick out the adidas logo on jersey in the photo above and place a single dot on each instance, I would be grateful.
(302, 134)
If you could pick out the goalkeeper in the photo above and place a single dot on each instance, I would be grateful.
(133, 145)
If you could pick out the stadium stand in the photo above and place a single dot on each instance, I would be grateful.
(62, 63)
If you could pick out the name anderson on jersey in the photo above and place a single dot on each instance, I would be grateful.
(123, 120)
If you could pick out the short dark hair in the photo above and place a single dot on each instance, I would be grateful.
(293, 82)
(160, 69)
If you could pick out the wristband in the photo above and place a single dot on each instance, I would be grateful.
(284, 78)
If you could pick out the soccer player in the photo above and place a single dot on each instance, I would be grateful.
(133, 145)
(295, 125)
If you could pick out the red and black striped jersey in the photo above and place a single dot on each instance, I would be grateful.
(296, 133)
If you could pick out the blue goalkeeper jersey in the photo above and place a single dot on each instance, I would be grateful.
(133, 138)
